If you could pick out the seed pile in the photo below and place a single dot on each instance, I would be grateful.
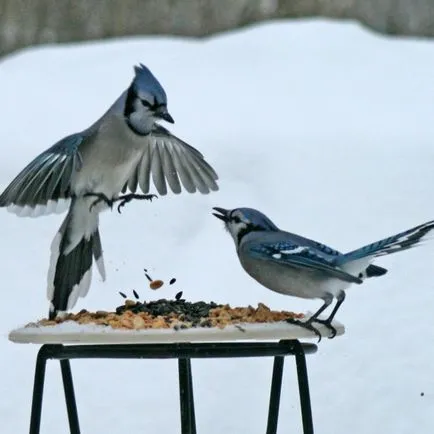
(176, 314)
(184, 311)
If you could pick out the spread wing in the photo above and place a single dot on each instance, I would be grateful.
(44, 184)
(302, 257)
(169, 161)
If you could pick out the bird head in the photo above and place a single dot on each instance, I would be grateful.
(146, 102)
(241, 221)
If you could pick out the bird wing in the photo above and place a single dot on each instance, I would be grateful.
(370, 271)
(297, 256)
(169, 160)
(45, 182)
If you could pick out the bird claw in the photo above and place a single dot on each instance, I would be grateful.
(306, 325)
(327, 324)
(129, 197)
(101, 197)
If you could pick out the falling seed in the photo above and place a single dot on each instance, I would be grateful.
(148, 277)
(178, 296)
(172, 281)
(135, 294)
(155, 284)
(122, 294)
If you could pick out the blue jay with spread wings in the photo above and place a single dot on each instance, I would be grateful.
(297, 266)
(89, 170)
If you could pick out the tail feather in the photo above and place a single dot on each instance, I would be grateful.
(375, 271)
(358, 262)
(72, 251)
(97, 254)
(396, 243)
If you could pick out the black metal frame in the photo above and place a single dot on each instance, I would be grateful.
(184, 352)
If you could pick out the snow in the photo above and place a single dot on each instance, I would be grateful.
(324, 127)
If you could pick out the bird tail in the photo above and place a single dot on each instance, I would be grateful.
(358, 260)
(72, 251)
(375, 271)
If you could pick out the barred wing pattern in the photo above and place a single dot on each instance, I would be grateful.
(46, 180)
(294, 255)
(171, 162)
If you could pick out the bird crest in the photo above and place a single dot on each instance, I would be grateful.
(145, 81)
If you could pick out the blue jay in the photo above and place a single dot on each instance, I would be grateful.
(297, 266)
(88, 170)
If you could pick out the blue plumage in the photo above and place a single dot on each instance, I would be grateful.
(258, 218)
(402, 241)
(125, 149)
(301, 257)
(145, 81)
(293, 265)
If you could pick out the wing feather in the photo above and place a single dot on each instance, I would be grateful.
(157, 168)
(44, 180)
(173, 163)
(304, 257)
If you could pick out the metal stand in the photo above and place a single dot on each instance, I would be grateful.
(184, 352)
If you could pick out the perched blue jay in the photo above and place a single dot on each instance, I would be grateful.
(88, 170)
(293, 265)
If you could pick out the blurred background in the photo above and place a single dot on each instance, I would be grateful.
(25, 23)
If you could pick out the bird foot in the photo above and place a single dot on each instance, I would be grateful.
(129, 197)
(101, 197)
(328, 324)
(306, 325)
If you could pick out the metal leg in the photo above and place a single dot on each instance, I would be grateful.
(276, 388)
(303, 387)
(183, 352)
(190, 387)
(188, 422)
(71, 406)
(38, 391)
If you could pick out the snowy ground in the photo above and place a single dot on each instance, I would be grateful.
(326, 128)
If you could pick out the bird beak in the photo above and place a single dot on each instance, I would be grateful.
(162, 113)
(223, 214)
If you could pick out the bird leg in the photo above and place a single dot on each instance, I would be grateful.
(328, 322)
(101, 197)
(129, 197)
(308, 324)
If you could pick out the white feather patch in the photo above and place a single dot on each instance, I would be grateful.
(52, 207)
(80, 289)
(294, 251)
(25, 211)
(55, 247)
(101, 267)
(358, 266)
(61, 314)
(83, 225)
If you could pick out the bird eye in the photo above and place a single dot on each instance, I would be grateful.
(236, 219)
(146, 103)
